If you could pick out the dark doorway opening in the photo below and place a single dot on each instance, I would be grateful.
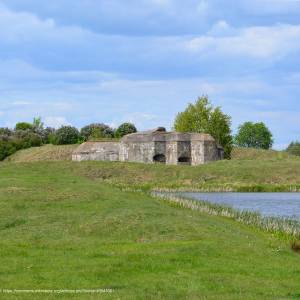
(159, 158)
(184, 160)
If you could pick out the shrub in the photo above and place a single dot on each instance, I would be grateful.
(6, 148)
(96, 130)
(124, 129)
(5, 131)
(47, 135)
(294, 148)
(26, 139)
(66, 135)
(23, 126)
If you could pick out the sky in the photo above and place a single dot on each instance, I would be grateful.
(75, 62)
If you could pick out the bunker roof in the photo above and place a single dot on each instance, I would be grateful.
(94, 147)
(161, 135)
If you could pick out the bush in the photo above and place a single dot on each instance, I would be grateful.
(294, 148)
(20, 139)
(47, 135)
(23, 126)
(254, 135)
(66, 135)
(25, 139)
(124, 129)
(96, 131)
(5, 131)
(6, 148)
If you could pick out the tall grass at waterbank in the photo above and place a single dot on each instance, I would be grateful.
(280, 226)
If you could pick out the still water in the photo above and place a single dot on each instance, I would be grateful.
(285, 205)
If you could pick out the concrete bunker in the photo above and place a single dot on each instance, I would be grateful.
(154, 146)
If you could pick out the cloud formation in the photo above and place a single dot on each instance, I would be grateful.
(111, 61)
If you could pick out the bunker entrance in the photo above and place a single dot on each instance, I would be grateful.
(159, 158)
(184, 160)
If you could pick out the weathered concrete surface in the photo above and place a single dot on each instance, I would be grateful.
(156, 146)
(97, 151)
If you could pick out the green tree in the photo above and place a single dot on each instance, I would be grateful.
(202, 117)
(294, 148)
(96, 131)
(37, 124)
(66, 135)
(254, 135)
(23, 126)
(124, 129)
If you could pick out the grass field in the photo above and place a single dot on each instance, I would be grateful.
(249, 170)
(66, 225)
(44, 153)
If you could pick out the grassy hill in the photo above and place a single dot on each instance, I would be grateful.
(44, 153)
(63, 227)
(55, 153)
(249, 170)
(252, 154)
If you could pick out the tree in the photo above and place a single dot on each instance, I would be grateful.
(254, 135)
(124, 129)
(202, 117)
(23, 126)
(37, 124)
(66, 135)
(294, 148)
(96, 131)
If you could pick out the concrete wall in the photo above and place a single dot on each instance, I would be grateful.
(211, 152)
(106, 151)
(176, 149)
(137, 152)
(184, 153)
(171, 153)
(197, 153)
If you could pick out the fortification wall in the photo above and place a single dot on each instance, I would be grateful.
(137, 152)
(106, 151)
(154, 147)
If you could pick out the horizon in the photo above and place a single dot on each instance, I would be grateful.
(75, 63)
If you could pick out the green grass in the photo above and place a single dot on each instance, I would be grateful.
(235, 175)
(63, 227)
(254, 154)
(249, 170)
(44, 153)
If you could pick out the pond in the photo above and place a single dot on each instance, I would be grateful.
(285, 205)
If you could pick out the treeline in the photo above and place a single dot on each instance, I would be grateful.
(35, 134)
(201, 116)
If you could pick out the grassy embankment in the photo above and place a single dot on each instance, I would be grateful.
(249, 170)
(63, 226)
(63, 230)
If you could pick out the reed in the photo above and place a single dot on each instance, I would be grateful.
(276, 225)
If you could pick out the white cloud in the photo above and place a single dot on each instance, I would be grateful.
(221, 27)
(24, 27)
(21, 103)
(55, 122)
(203, 7)
(257, 42)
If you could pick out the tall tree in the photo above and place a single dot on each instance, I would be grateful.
(202, 117)
(254, 135)
(124, 129)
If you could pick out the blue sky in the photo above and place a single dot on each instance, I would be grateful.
(77, 62)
